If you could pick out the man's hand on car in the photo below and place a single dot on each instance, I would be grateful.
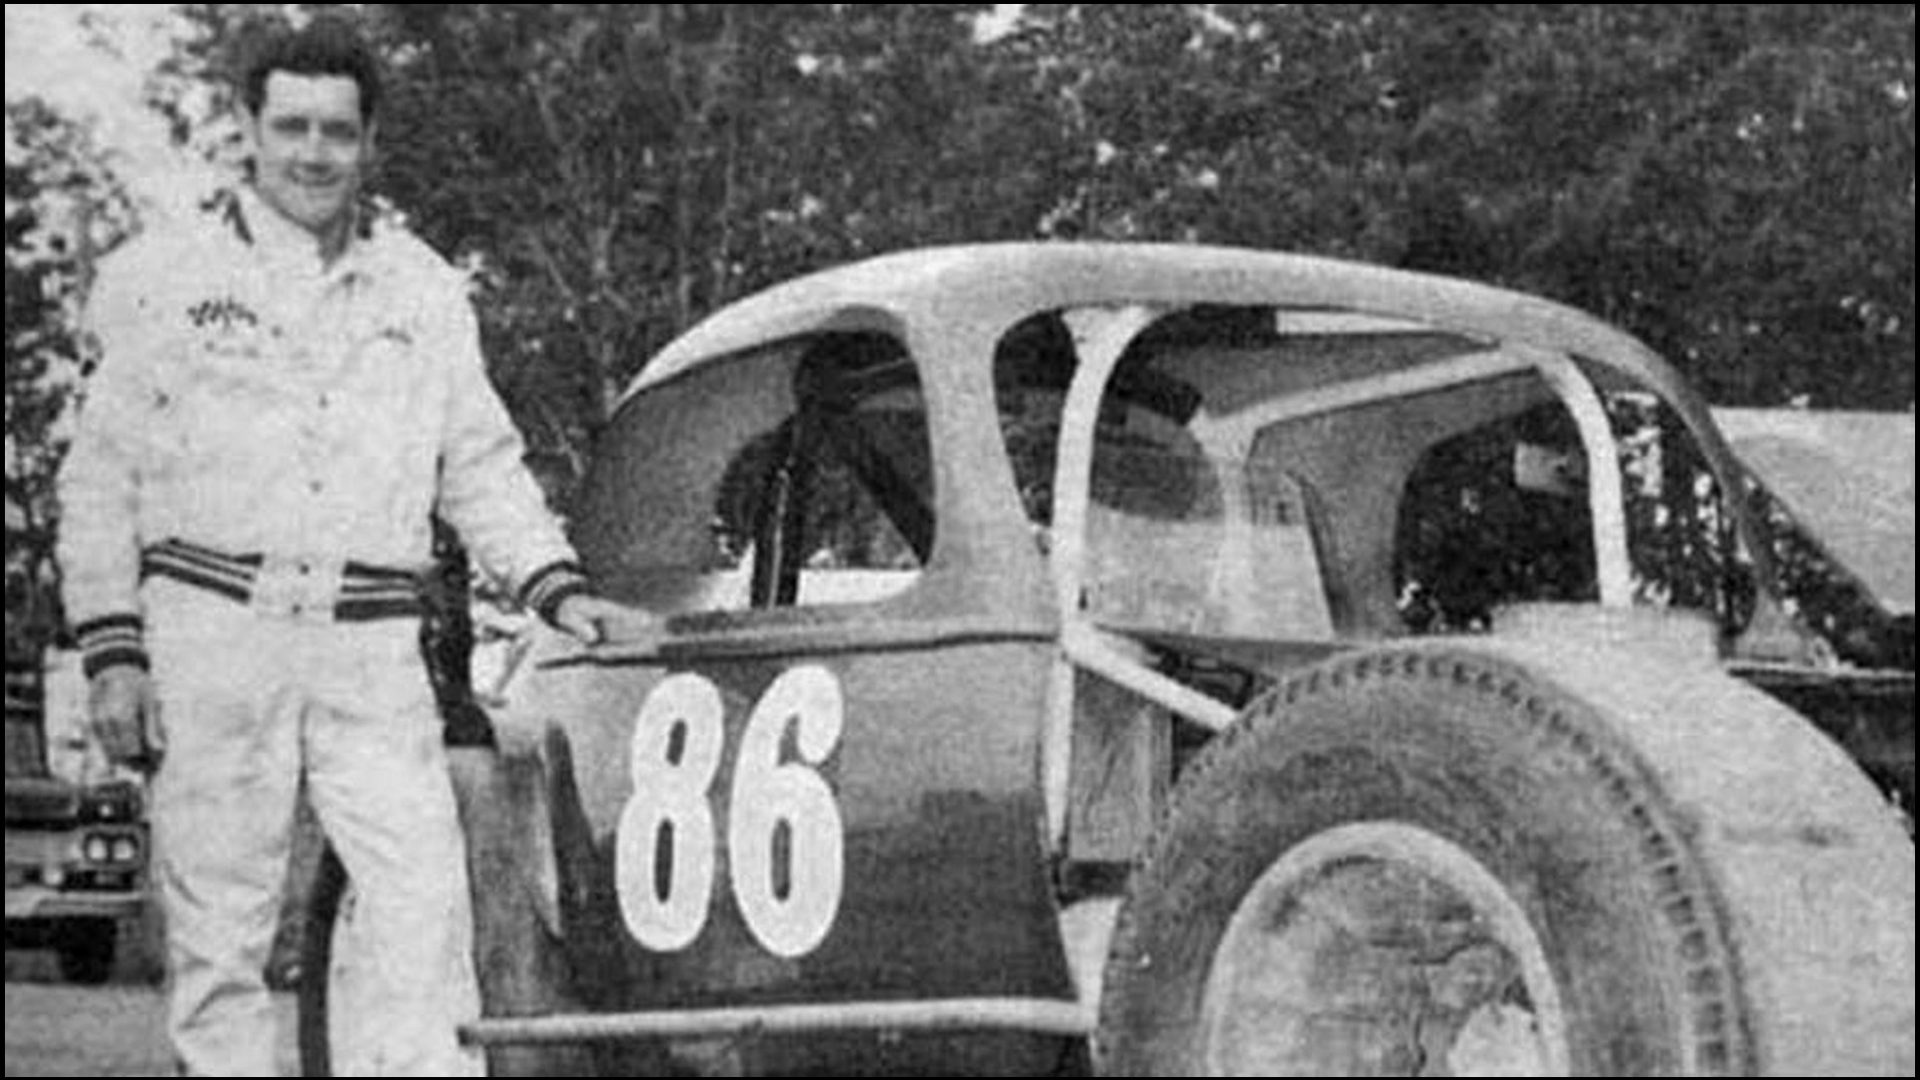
(125, 715)
(595, 620)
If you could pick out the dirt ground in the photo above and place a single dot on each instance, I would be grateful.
(118, 1029)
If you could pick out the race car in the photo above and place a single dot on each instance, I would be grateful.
(1160, 659)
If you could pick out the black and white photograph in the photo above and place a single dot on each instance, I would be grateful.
(960, 540)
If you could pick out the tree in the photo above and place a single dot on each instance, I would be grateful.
(1734, 183)
(64, 207)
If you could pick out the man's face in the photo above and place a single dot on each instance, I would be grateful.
(310, 149)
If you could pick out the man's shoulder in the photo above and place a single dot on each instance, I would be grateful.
(174, 251)
(402, 253)
(148, 256)
(148, 275)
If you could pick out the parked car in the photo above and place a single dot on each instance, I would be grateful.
(1171, 660)
(76, 845)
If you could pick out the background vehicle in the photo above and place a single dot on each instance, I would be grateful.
(1169, 660)
(76, 845)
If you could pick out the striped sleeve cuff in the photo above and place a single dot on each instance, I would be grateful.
(550, 585)
(109, 641)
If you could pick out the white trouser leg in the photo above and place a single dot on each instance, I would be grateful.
(377, 778)
(222, 813)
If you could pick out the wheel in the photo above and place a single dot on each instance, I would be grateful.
(1436, 863)
(86, 950)
(521, 967)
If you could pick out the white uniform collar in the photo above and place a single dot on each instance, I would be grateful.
(286, 243)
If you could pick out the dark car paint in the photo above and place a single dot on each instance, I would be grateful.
(945, 890)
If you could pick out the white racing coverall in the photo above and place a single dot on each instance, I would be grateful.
(246, 502)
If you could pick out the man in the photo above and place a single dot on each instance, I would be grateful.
(287, 392)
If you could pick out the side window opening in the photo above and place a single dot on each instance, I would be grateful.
(1182, 535)
(1678, 530)
(1687, 556)
(833, 505)
(1033, 365)
(1497, 515)
(797, 475)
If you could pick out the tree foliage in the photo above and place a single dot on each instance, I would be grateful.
(63, 207)
(1732, 182)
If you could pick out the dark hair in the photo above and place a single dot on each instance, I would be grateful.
(326, 46)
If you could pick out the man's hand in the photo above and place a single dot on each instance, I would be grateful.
(125, 716)
(595, 620)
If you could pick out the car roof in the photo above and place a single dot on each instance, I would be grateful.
(998, 284)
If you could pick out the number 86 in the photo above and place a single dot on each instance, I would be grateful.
(677, 742)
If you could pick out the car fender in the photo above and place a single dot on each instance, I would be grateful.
(1773, 804)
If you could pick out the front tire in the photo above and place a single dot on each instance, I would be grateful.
(1434, 863)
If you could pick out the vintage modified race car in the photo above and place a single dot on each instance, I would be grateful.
(1165, 660)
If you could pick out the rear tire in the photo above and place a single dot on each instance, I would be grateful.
(1401, 863)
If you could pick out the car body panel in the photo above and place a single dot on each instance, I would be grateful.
(951, 759)
(933, 778)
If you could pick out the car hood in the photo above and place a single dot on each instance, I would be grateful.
(1848, 478)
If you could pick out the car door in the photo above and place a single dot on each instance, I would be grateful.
(821, 786)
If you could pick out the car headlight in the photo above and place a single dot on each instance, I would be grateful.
(96, 849)
(125, 849)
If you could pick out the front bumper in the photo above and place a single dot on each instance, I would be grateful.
(37, 902)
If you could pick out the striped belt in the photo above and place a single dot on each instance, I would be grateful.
(291, 587)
